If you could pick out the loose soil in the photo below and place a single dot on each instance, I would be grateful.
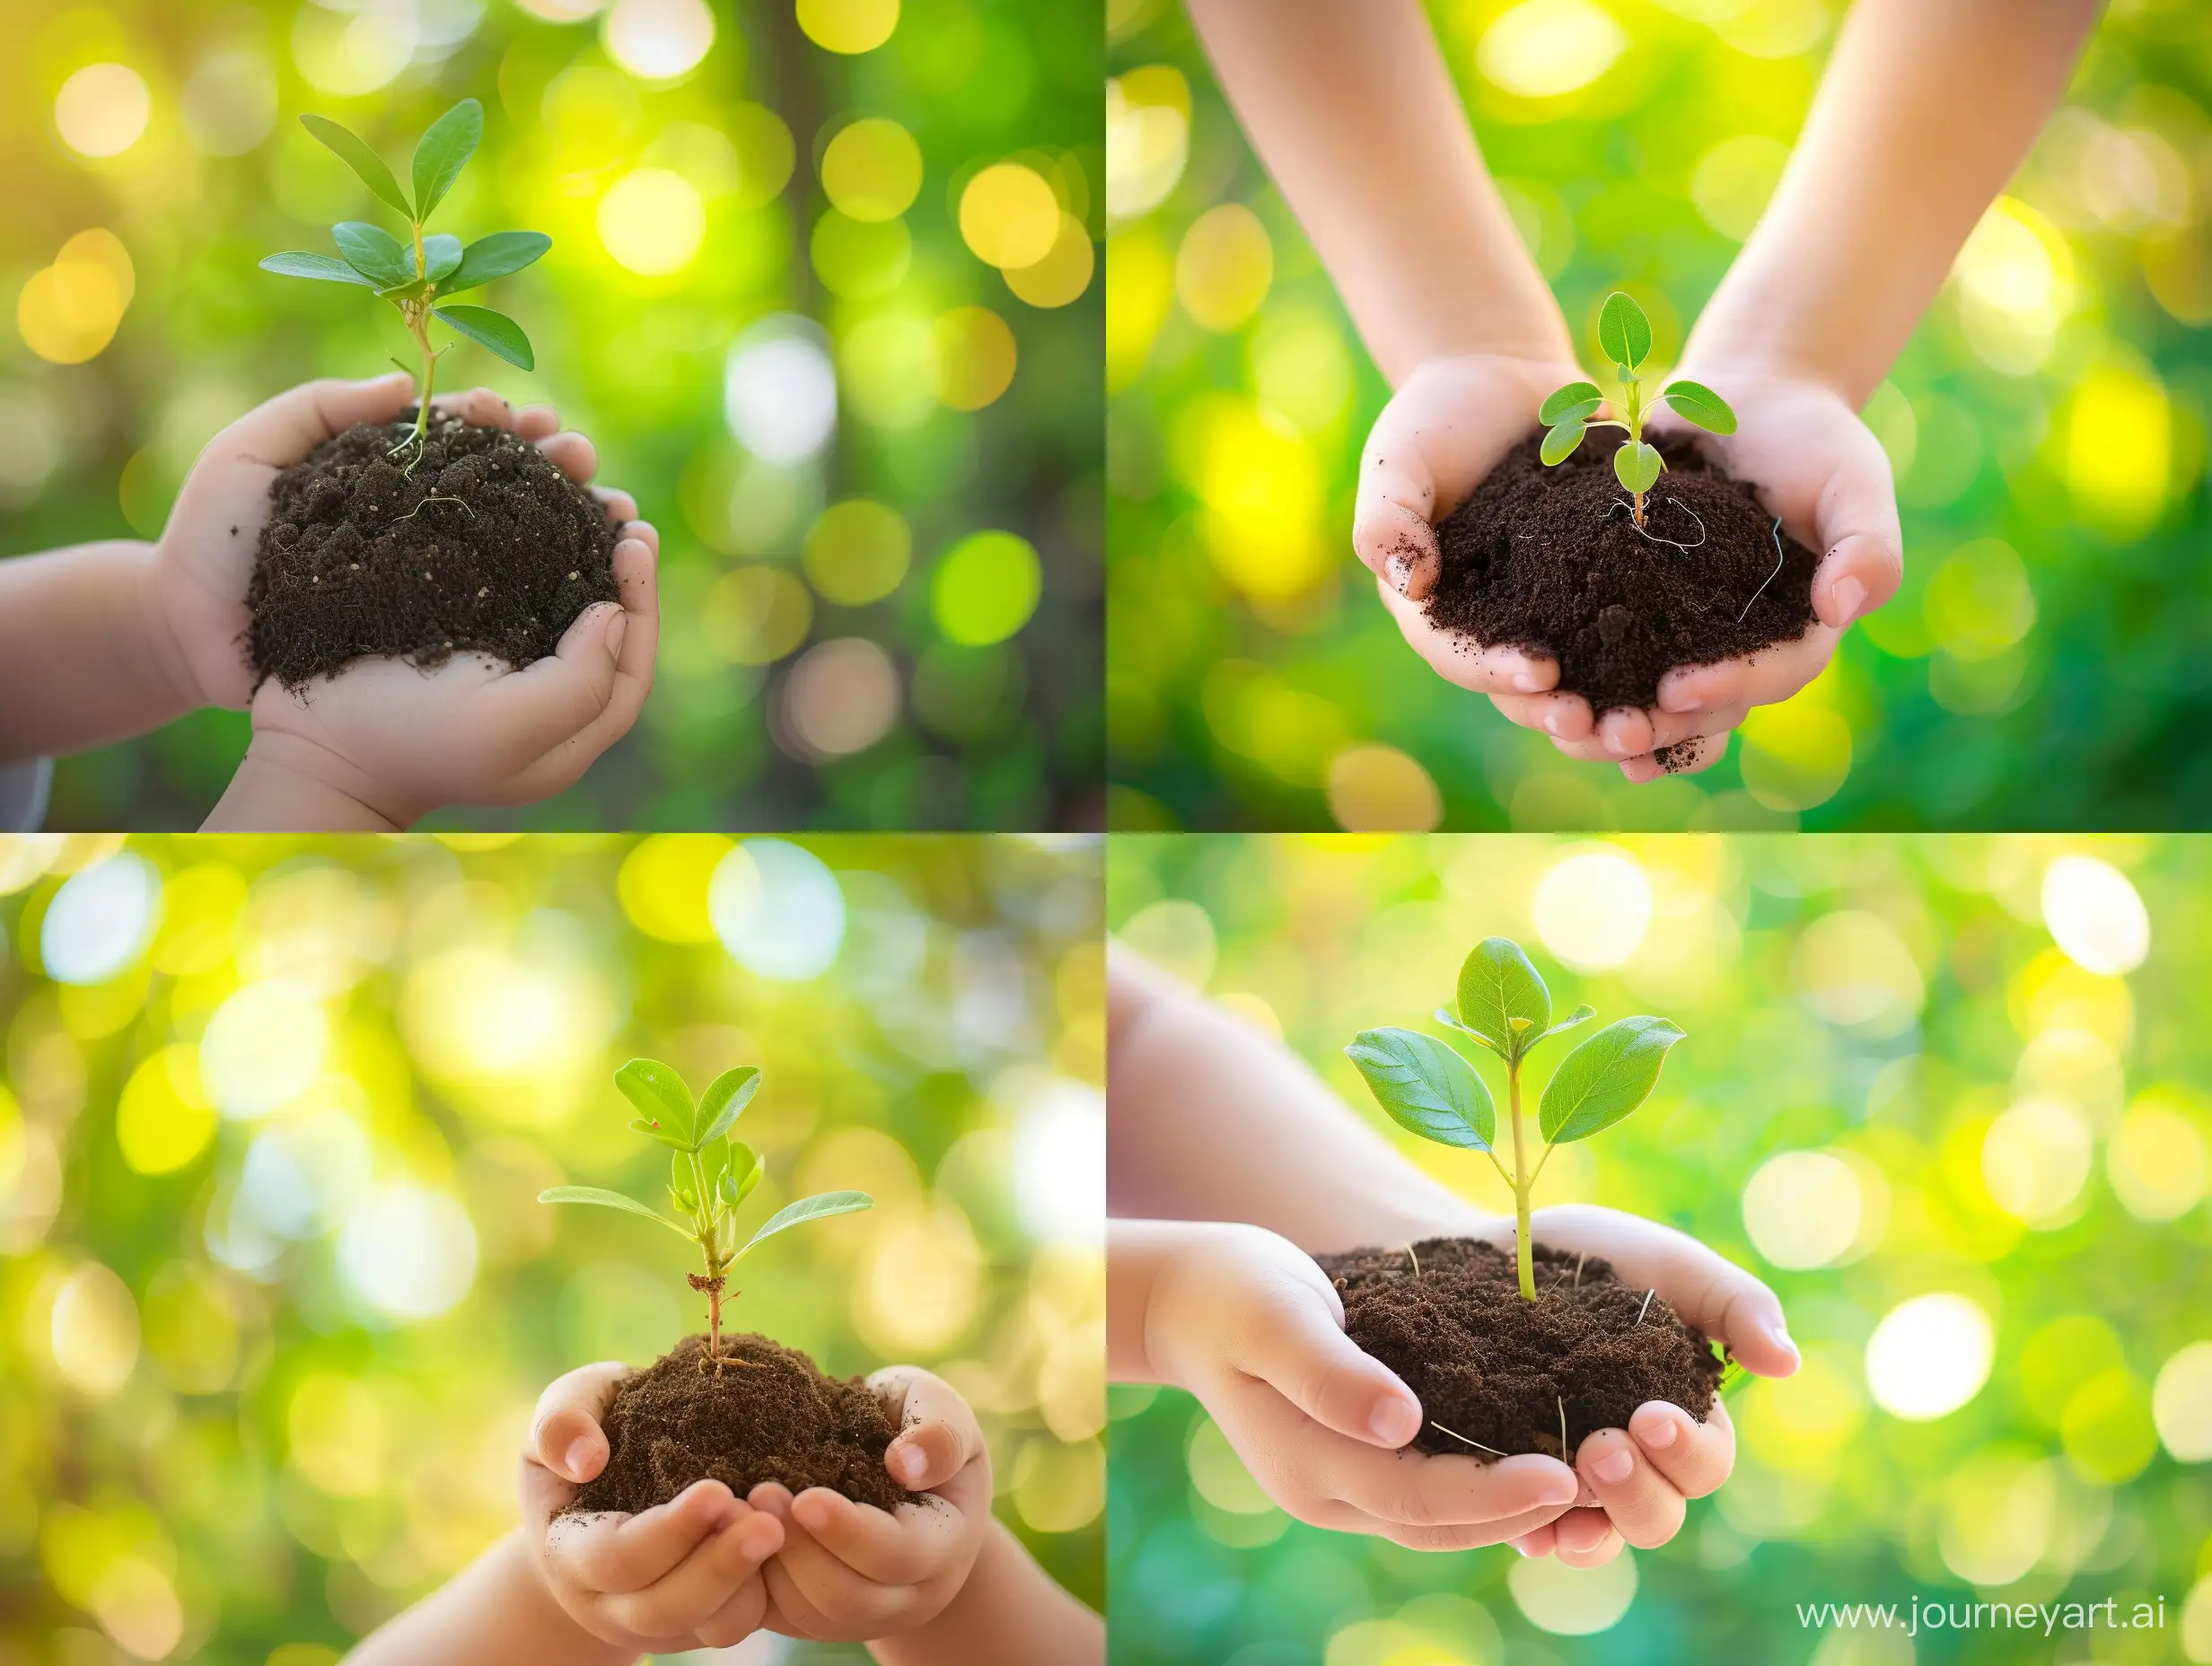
(363, 556)
(1496, 1369)
(1548, 560)
(777, 1417)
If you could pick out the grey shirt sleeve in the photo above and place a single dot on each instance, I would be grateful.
(24, 790)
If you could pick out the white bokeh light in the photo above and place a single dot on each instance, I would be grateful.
(299, 1177)
(1594, 907)
(659, 39)
(263, 1048)
(1803, 1208)
(1573, 1601)
(1929, 1355)
(2181, 1404)
(409, 1251)
(2035, 1160)
(99, 920)
(1059, 1164)
(779, 391)
(2095, 916)
(778, 910)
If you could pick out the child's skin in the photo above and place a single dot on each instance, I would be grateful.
(1925, 109)
(1238, 1161)
(104, 641)
(933, 1584)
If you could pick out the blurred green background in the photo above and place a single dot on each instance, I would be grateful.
(727, 238)
(276, 1292)
(2040, 668)
(1948, 1095)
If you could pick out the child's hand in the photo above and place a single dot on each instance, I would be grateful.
(1247, 1322)
(685, 1575)
(849, 1572)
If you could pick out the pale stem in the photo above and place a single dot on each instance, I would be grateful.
(1523, 1258)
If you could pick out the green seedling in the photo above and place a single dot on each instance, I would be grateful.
(1430, 1089)
(1568, 413)
(417, 276)
(709, 1177)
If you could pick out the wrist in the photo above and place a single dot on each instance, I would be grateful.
(286, 784)
(156, 629)
(550, 1623)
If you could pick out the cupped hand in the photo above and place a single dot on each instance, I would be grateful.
(850, 1572)
(684, 1574)
(1246, 1321)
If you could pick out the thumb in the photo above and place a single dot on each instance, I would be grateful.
(938, 1435)
(552, 700)
(1294, 1342)
(1391, 530)
(280, 432)
(564, 1433)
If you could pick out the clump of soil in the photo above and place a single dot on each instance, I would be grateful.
(1548, 560)
(777, 1417)
(1496, 1369)
(482, 546)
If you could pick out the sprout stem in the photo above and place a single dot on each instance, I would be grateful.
(1521, 1181)
(1415, 1260)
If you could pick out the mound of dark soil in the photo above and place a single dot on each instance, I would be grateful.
(774, 1418)
(1500, 1370)
(1548, 560)
(483, 546)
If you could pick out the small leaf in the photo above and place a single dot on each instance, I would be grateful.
(659, 1094)
(667, 1136)
(725, 1096)
(679, 1178)
(495, 330)
(609, 1200)
(441, 255)
(819, 1207)
(374, 252)
(728, 1188)
(1580, 1015)
(444, 152)
(714, 1158)
(1559, 442)
(1425, 1087)
(1498, 985)
(1450, 1019)
(495, 257)
(297, 263)
(364, 162)
(1695, 402)
(745, 1168)
(1623, 331)
(1636, 465)
(1605, 1078)
(1560, 400)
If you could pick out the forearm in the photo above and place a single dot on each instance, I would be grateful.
(286, 785)
(495, 1612)
(84, 659)
(1352, 112)
(1925, 110)
(1211, 1120)
(1009, 1613)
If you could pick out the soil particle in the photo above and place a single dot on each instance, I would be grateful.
(1548, 560)
(777, 1417)
(1498, 1370)
(484, 546)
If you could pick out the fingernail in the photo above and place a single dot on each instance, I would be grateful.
(1662, 1435)
(910, 1464)
(578, 1454)
(1527, 681)
(1614, 1468)
(1522, 1549)
(1561, 1490)
(1395, 1421)
(1555, 722)
(616, 632)
(1849, 595)
(1779, 1337)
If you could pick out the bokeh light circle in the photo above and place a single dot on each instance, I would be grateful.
(1852, 969)
(842, 698)
(1374, 788)
(1544, 48)
(1593, 908)
(409, 1251)
(871, 169)
(848, 26)
(1060, 1165)
(163, 1118)
(975, 357)
(349, 53)
(1573, 1601)
(229, 104)
(100, 920)
(1008, 215)
(2181, 1404)
(1803, 1208)
(93, 1331)
(2035, 1160)
(262, 1048)
(1929, 1355)
(651, 222)
(68, 312)
(2095, 916)
(986, 588)
(102, 109)
(777, 909)
(1064, 274)
(780, 391)
(659, 39)
(856, 551)
(1223, 267)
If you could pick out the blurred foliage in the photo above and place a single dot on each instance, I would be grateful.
(276, 1292)
(1957, 1067)
(2046, 423)
(717, 179)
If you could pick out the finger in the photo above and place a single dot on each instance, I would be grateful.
(1565, 717)
(1291, 1338)
(738, 1618)
(1694, 1457)
(565, 1431)
(1462, 660)
(1856, 521)
(1394, 532)
(1760, 678)
(698, 1587)
(1643, 1506)
(1690, 757)
(1542, 1542)
(619, 1553)
(637, 578)
(1448, 1539)
(551, 702)
(278, 433)
(643, 532)
(1666, 729)
(573, 454)
(537, 421)
(480, 406)
(904, 1549)
(1625, 732)
(1585, 1538)
(938, 1434)
(622, 507)
(825, 1586)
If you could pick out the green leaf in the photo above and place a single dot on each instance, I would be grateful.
(609, 1200)
(365, 162)
(1695, 402)
(444, 152)
(1560, 400)
(1623, 331)
(495, 257)
(638, 1125)
(1450, 1019)
(819, 1207)
(495, 330)
(1498, 986)
(1605, 1078)
(374, 252)
(1559, 442)
(298, 263)
(1580, 1015)
(1636, 465)
(679, 1178)
(714, 1158)
(725, 1096)
(441, 255)
(1425, 1087)
(660, 1095)
(746, 1169)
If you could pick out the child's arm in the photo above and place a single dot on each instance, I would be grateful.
(496, 1610)
(1010, 1613)
(86, 657)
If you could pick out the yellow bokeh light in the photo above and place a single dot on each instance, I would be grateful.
(2119, 449)
(986, 588)
(1220, 1474)
(348, 53)
(858, 551)
(1732, 181)
(1147, 137)
(1592, 907)
(1803, 1208)
(860, 259)
(68, 312)
(651, 222)
(93, 1331)
(338, 1435)
(921, 1285)
(2181, 1404)
(1064, 274)
(755, 615)
(1851, 969)
(163, 1119)
(659, 39)
(1223, 267)
(1795, 755)
(872, 169)
(1262, 490)
(2051, 992)
(1059, 1488)
(1805, 1423)
(2156, 1162)
(262, 1048)
(1979, 601)
(135, 1604)
(1374, 788)
(1544, 48)
(1140, 290)
(663, 882)
(975, 357)
(102, 109)
(1176, 936)
(2035, 1160)
(1573, 1601)
(848, 26)
(1008, 215)
(1999, 1510)
(2014, 277)
(2108, 1428)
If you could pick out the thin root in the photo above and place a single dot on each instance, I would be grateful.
(1776, 532)
(719, 1360)
(1478, 1445)
(1417, 1273)
(1579, 1259)
(1648, 1295)
(1653, 538)
(1562, 1446)
(418, 508)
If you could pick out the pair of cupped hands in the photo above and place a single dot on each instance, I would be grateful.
(707, 1569)
(1248, 1323)
(396, 739)
(1815, 464)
